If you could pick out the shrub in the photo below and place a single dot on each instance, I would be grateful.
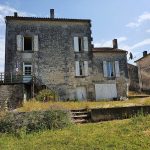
(34, 121)
(46, 95)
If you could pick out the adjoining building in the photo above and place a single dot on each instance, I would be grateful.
(133, 78)
(57, 53)
(143, 65)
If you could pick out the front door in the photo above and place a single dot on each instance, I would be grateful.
(81, 93)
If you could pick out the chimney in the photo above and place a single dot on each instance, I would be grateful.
(144, 53)
(51, 13)
(15, 14)
(115, 44)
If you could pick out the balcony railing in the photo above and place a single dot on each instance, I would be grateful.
(10, 78)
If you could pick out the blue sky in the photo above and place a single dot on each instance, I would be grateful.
(126, 20)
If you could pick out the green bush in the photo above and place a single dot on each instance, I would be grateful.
(34, 121)
(46, 95)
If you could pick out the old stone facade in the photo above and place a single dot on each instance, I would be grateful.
(143, 65)
(133, 77)
(110, 71)
(59, 54)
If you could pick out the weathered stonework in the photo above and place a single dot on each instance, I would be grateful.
(143, 65)
(133, 77)
(53, 64)
(10, 96)
(98, 76)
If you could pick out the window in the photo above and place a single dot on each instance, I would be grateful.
(27, 69)
(80, 44)
(111, 69)
(81, 68)
(27, 43)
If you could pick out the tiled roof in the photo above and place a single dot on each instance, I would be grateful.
(46, 19)
(108, 49)
(142, 57)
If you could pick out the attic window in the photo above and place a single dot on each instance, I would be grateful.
(27, 43)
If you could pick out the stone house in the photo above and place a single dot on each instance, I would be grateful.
(58, 54)
(143, 65)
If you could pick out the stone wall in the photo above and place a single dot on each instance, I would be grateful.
(105, 114)
(98, 73)
(133, 77)
(54, 63)
(10, 96)
(144, 73)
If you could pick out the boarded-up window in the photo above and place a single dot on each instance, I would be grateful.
(105, 68)
(85, 39)
(76, 44)
(19, 43)
(86, 68)
(36, 43)
(117, 69)
(77, 70)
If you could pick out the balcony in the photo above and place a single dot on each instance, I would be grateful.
(10, 78)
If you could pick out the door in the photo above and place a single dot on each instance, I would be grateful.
(105, 91)
(81, 93)
(27, 72)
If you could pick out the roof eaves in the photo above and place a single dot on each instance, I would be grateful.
(45, 19)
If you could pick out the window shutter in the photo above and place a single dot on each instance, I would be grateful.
(36, 43)
(117, 70)
(105, 69)
(77, 69)
(19, 43)
(86, 67)
(85, 41)
(76, 44)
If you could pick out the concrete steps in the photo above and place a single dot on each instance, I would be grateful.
(80, 115)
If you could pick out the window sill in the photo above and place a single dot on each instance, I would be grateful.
(80, 76)
(111, 78)
(80, 52)
(27, 51)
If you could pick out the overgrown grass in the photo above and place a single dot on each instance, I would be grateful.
(131, 134)
(33, 105)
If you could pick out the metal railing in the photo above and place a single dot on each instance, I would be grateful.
(10, 78)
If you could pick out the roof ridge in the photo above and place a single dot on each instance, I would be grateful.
(45, 18)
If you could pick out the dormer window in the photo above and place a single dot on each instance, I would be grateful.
(27, 43)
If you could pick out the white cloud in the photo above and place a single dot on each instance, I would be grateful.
(122, 45)
(141, 19)
(148, 30)
(6, 10)
(108, 43)
(140, 44)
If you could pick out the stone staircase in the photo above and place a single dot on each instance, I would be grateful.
(80, 115)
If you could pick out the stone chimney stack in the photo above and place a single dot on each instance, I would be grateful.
(52, 13)
(144, 53)
(115, 43)
(15, 14)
